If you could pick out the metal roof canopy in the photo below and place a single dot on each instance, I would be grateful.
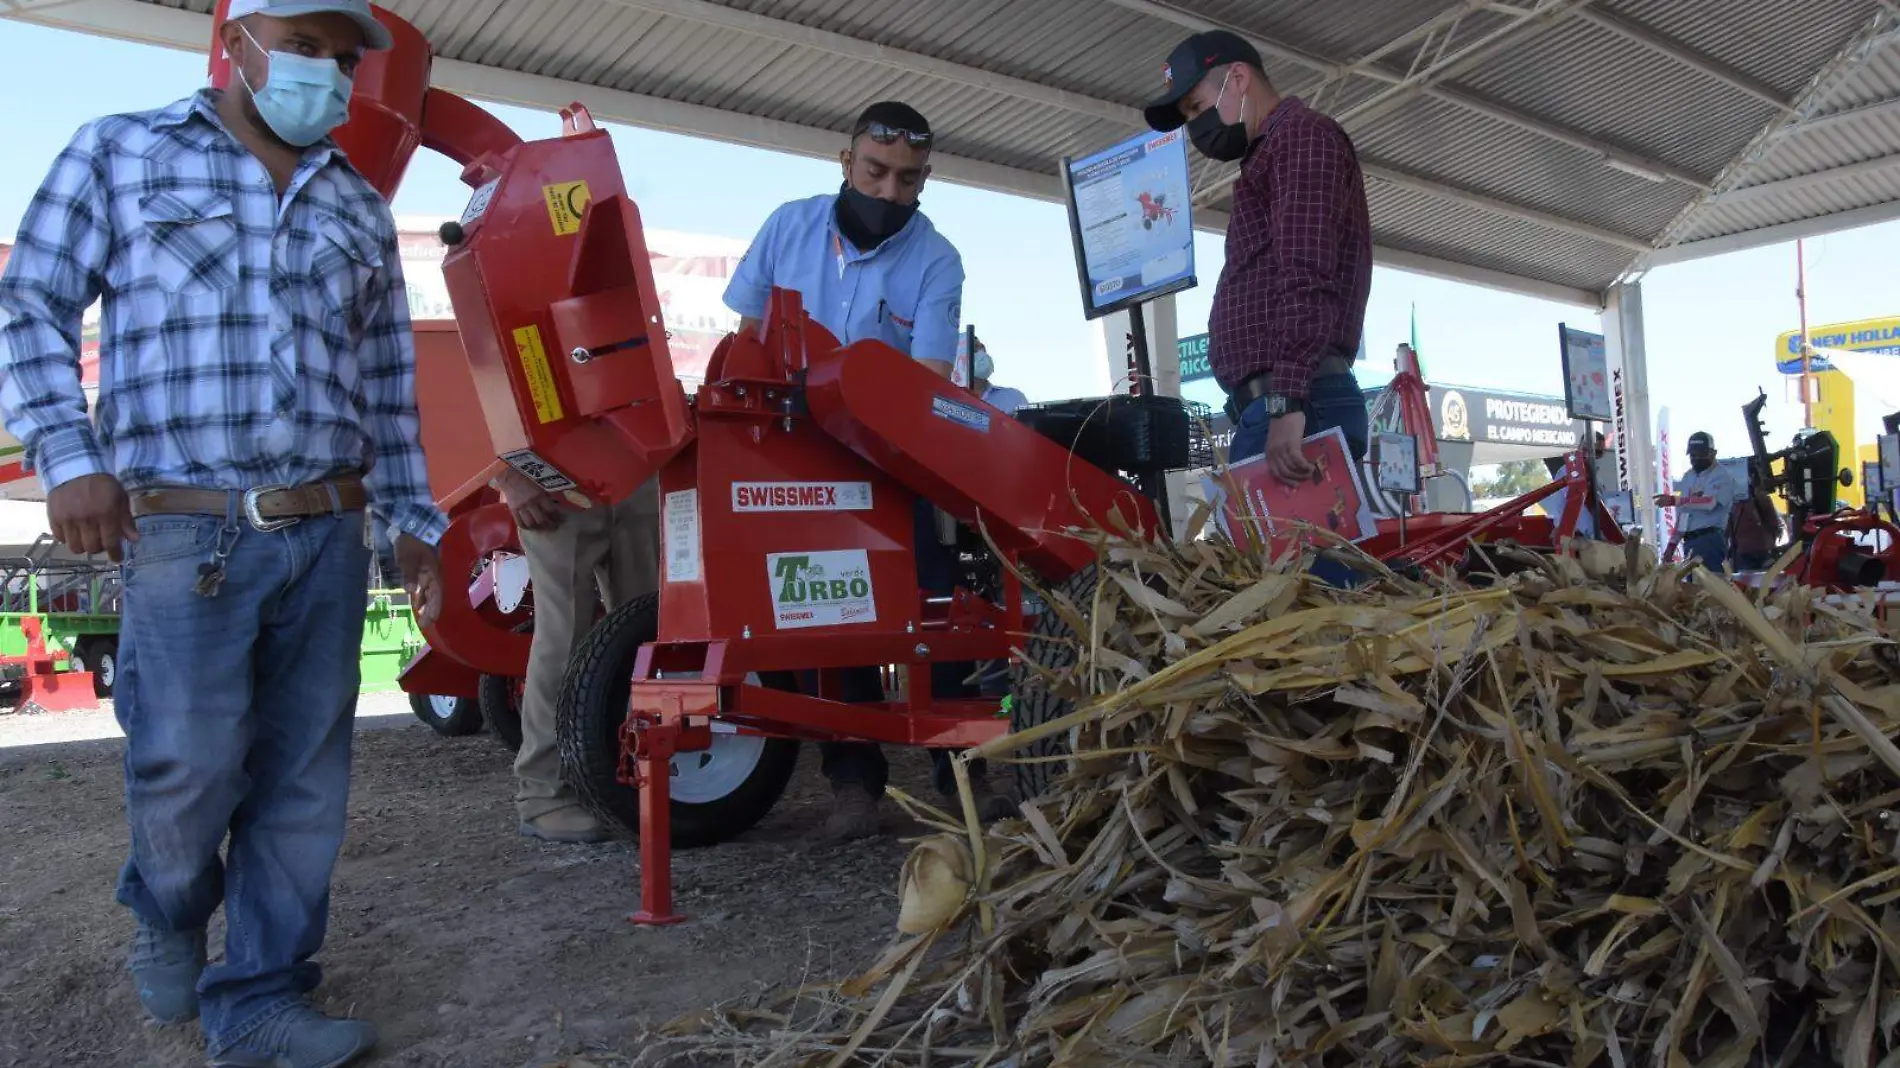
(1544, 147)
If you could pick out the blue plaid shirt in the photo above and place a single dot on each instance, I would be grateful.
(245, 340)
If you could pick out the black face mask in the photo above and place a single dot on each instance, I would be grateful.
(1701, 463)
(1223, 141)
(1216, 138)
(870, 221)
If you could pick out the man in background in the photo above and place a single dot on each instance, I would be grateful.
(577, 557)
(1704, 497)
(1754, 527)
(1002, 397)
(1290, 306)
(869, 264)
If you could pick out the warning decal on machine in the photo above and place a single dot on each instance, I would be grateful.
(679, 516)
(961, 414)
(544, 474)
(801, 496)
(820, 589)
(534, 364)
(566, 201)
(478, 203)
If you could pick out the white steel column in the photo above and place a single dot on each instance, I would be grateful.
(1115, 340)
(1629, 382)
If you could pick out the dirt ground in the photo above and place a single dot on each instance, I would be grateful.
(468, 945)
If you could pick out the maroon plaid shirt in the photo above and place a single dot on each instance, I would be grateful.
(1299, 255)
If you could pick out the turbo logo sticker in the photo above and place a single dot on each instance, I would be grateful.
(820, 589)
(801, 496)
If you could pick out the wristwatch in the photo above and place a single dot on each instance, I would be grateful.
(1278, 403)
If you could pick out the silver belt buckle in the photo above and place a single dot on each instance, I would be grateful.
(256, 518)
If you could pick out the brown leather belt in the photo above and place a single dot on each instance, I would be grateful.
(267, 508)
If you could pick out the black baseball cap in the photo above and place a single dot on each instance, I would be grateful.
(1189, 63)
(1700, 441)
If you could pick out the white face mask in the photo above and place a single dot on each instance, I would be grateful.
(303, 98)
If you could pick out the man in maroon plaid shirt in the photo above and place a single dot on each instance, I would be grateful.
(1291, 302)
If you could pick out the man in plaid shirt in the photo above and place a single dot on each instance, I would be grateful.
(256, 395)
(1291, 303)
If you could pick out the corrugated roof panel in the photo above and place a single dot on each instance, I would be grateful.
(1334, 31)
(1415, 223)
(1593, 80)
(1739, 38)
(1869, 138)
(1875, 80)
(1429, 136)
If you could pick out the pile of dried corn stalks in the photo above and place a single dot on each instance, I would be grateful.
(1573, 818)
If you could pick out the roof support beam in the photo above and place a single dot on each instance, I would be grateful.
(1774, 235)
(1433, 267)
(1657, 42)
(1336, 73)
(1444, 191)
(1880, 109)
(1447, 63)
(1801, 182)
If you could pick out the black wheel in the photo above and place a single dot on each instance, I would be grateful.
(1053, 645)
(101, 657)
(500, 702)
(718, 793)
(451, 717)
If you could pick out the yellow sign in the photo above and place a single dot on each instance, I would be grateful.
(534, 364)
(1880, 336)
(566, 201)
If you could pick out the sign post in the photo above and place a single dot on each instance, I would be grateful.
(1130, 220)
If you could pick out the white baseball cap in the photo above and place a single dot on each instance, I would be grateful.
(376, 36)
(981, 366)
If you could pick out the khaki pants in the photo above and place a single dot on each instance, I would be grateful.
(611, 553)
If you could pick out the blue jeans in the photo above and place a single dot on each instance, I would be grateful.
(863, 764)
(1331, 401)
(237, 711)
(1708, 545)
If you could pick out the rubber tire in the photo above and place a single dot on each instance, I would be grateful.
(591, 711)
(101, 657)
(1053, 645)
(500, 702)
(466, 718)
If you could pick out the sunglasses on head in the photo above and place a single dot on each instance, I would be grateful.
(885, 135)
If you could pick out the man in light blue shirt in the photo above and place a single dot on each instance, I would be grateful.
(867, 262)
(869, 265)
(1005, 398)
(1704, 497)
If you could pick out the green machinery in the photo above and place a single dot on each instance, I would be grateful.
(77, 603)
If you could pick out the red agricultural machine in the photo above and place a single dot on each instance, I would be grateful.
(790, 485)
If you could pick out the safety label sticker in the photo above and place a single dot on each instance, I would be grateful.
(821, 589)
(534, 364)
(566, 201)
(543, 474)
(679, 516)
(961, 414)
(478, 204)
(801, 496)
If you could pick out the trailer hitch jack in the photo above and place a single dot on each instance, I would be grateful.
(650, 740)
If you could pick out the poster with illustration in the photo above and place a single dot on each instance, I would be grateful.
(1331, 499)
(1586, 375)
(1130, 220)
(1396, 457)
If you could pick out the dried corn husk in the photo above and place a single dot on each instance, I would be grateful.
(1597, 812)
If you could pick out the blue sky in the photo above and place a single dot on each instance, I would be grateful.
(1711, 324)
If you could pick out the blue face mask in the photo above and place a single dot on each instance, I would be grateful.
(303, 98)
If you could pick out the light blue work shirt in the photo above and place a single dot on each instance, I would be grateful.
(1005, 398)
(1717, 484)
(907, 292)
